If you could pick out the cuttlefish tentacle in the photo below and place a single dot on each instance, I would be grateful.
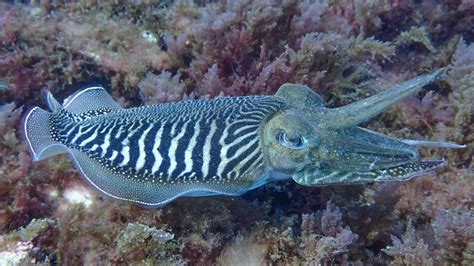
(153, 154)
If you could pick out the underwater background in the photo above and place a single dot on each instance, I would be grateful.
(147, 52)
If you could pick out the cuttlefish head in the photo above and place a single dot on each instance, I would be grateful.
(316, 145)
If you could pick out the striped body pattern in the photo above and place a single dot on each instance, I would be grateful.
(153, 154)
(194, 141)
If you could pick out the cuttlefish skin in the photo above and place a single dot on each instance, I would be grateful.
(153, 154)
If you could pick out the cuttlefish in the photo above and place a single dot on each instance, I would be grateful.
(154, 154)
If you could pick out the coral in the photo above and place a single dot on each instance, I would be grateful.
(464, 118)
(314, 50)
(252, 29)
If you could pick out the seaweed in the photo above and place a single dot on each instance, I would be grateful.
(415, 35)
(148, 52)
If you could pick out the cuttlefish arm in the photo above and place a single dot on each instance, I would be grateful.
(324, 146)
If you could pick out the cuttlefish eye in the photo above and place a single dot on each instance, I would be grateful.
(292, 143)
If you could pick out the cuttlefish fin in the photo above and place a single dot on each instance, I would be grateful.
(300, 95)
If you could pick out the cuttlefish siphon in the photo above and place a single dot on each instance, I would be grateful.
(153, 154)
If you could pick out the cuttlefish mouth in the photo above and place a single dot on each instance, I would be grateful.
(358, 155)
(359, 149)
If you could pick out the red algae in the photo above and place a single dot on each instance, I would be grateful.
(159, 51)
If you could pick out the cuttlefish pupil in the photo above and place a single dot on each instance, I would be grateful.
(156, 153)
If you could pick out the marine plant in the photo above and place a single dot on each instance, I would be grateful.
(141, 50)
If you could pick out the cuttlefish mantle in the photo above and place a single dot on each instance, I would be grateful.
(153, 154)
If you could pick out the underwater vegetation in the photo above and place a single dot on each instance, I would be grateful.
(148, 52)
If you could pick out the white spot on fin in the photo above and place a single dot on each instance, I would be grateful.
(90, 99)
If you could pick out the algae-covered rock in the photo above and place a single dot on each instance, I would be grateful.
(18, 248)
(139, 242)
